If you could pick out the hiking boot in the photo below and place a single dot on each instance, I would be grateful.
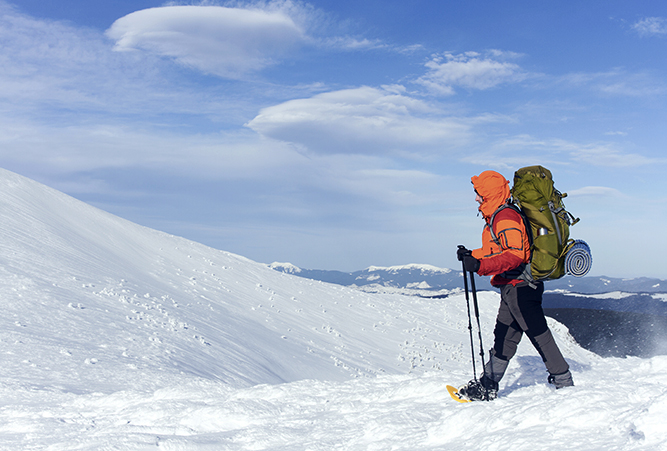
(561, 380)
(478, 390)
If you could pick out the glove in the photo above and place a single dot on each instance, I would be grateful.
(470, 263)
(462, 252)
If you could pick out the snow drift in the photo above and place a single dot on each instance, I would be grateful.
(116, 336)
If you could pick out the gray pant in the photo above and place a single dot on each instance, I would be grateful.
(521, 311)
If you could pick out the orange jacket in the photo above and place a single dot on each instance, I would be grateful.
(513, 248)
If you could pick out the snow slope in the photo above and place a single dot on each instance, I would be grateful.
(115, 336)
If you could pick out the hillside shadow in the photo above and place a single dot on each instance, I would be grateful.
(613, 333)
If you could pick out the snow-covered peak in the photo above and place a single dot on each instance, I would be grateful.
(285, 267)
(410, 267)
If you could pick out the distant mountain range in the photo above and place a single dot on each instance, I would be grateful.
(432, 278)
(609, 316)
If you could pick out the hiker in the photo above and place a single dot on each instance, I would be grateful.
(520, 301)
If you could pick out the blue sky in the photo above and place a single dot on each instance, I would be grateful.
(341, 134)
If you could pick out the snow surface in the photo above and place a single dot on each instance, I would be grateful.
(118, 337)
(609, 295)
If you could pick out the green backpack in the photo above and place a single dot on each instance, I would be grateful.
(546, 220)
(549, 223)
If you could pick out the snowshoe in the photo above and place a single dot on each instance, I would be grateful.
(480, 390)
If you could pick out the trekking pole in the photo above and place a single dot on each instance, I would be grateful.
(472, 344)
(479, 327)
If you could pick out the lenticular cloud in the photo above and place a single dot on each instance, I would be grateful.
(227, 42)
(363, 120)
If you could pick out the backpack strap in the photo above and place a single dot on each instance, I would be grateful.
(526, 223)
(526, 274)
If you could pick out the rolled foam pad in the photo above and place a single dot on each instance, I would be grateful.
(578, 260)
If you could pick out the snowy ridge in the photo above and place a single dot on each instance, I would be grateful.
(404, 277)
(115, 336)
(285, 267)
(410, 267)
(610, 295)
(428, 277)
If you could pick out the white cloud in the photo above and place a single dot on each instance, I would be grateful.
(232, 41)
(52, 70)
(363, 120)
(595, 191)
(403, 187)
(605, 155)
(470, 70)
(515, 151)
(651, 26)
(352, 43)
(44, 61)
(228, 42)
(618, 82)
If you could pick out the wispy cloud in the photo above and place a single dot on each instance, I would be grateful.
(606, 154)
(471, 70)
(514, 151)
(57, 72)
(595, 191)
(651, 26)
(44, 61)
(370, 179)
(618, 82)
(352, 43)
(99, 147)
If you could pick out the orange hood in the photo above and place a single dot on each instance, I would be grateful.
(494, 190)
